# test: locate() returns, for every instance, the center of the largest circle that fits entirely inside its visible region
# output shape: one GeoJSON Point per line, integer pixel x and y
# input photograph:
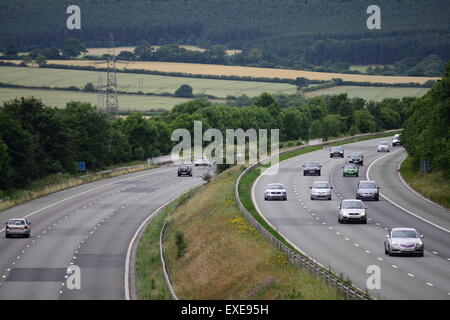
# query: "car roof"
{"type": "Point", "coordinates": [347, 200]}
{"type": "Point", "coordinates": [366, 181]}
{"type": "Point", "coordinates": [321, 182]}
{"type": "Point", "coordinates": [406, 229]}
{"type": "Point", "coordinates": [275, 183]}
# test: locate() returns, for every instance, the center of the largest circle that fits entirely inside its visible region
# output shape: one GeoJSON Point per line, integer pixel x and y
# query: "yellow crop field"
{"type": "Point", "coordinates": [221, 70]}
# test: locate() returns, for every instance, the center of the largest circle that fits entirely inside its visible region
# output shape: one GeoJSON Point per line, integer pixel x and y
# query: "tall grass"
{"type": "Point", "coordinates": [434, 185]}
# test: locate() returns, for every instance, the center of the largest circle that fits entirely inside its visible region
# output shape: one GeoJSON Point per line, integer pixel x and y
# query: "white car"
{"type": "Point", "coordinates": [201, 161]}
{"type": "Point", "coordinates": [404, 241]}
{"type": "Point", "coordinates": [352, 210]}
{"type": "Point", "coordinates": [321, 190]}
{"type": "Point", "coordinates": [396, 141]}
{"type": "Point", "coordinates": [275, 191]}
{"type": "Point", "coordinates": [383, 146]}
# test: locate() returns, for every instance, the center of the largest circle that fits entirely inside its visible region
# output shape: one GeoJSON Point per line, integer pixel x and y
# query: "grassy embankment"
{"type": "Point", "coordinates": [58, 182]}
{"type": "Point", "coordinates": [225, 257]}
{"type": "Point", "coordinates": [434, 185]}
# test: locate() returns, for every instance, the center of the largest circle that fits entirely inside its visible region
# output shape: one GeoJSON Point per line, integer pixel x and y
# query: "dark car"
{"type": "Point", "coordinates": [311, 167]}
{"type": "Point", "coordinates": [368, 190]}
{"type": "Point", "coordinates": [356, 158]}
{"type": "Point", "coordinates": [185, 170]}
{"type": "Point", "coordinates": [336, 152]}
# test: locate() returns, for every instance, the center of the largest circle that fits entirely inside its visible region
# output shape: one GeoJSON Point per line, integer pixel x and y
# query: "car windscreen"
{"type": "Point", "coordinates": [351, 166]}
{"type": "Point", "coordinates": [275, 186]}
{"type": "Point", "coordinates": [384, 143]}
{"type": "Point", "coordinates": [16, 222]}
{"type": "Point", "coordinates": [336, 149]}
{"type": "Point", "coordinates": [321, 185]}
{"type": "Point", "coordinates": [352, 205]}
{"type": "Point", "coordinates": [356, 155]}
{"type": "Point", "coordinates": [311, 164]}
{"type": "Point", "coordinates": [367, 185]}
{"type": "Point", "coordinates": [404, 234]}
{"type": "Point", "coordinates": [184, 168]}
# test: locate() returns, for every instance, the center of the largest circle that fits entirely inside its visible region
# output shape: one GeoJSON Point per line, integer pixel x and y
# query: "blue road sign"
{"type": "Point", "coordinates": [81, 166]}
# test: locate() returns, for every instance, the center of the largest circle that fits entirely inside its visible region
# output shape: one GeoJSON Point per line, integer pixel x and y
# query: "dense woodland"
{"type": "Point", "coordinates": [37, 140]}
{"type": "Point", "coordinates": [291, 33]}
{"type": "Point", "coordinates": [427, 134]}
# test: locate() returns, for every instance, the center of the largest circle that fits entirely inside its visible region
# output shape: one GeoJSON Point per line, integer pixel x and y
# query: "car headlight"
{"type": "Point", "coordinates": [395, 244]}
{"type": "Point", "coordinates": [420, 244]}
{"type": "Point", "coordinates": [283, 192]}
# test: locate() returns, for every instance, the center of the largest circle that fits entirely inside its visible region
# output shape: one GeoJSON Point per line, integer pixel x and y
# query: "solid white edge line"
{"type": "Point", "coordinates": [397, 205]}
{"type": "Point", "coordinates": [81, 193]}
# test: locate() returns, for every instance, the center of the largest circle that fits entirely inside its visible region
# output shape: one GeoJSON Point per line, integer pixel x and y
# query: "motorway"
{"type": "Point", "coordinates": [89, 226]}
{"type": "Point", "coordinates": [349, 249]}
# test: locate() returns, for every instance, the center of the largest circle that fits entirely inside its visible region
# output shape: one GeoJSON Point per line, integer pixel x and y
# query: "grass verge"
{"type": "Point", "coordinates": [224, 257]}
{"type": "Point", "coordinates": [58, 182]}
{"type": "Point", "coordinates": [434, 185]}
{"type": "Point", "coordinates": [150, 282]}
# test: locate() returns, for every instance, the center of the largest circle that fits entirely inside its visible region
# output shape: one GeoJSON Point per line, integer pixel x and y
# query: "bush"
{"type": "Point", "coordinates": [184, 91]}
{"type": "Point", "coordinates": [181, 243]}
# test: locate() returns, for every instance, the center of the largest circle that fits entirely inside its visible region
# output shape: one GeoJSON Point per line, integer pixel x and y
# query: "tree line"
{"type": "Point", "coordinates": [426, 134]}
{"type": "Point", "coordinates": [37, 140]}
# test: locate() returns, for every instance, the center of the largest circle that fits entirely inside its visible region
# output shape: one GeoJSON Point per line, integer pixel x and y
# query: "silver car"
{"type": "Point", "coordinates": [383, 146]}
{"type": "Point", "coordinates": [17, 227]}
{"type": "Point", "coordinates": [321, 190]}
{"type": "Point", "coordinates": [275, 191]}
{"type": "Point", "coordinates": [352, 210]}
{"type": "Point", "coordinates": [368, 190]}
{"type": "Point", "coordinates": [404, 241]}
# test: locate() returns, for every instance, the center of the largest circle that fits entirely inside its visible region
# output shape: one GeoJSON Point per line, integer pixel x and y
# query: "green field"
{"type": "Point", "coordinates": [59, 99]}
{"type": "Point", "coordinates": [130, 82]}
{"type": "Point", "coordinates": [371, 93]}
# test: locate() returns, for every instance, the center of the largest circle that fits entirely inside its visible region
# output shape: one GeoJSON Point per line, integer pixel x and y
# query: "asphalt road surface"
{"type": "Point", "coordinates": [89, 226]}
{"type": "Point", "coordinates": [349, 249]}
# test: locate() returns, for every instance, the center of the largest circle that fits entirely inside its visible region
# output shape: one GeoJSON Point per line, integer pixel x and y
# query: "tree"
{"type": "Point", "coordinates": [426, 136]}
{"type": "Point", "coordinates": [27, 59]}
{"type": "Point", "coordinates": [301, 82]}
{"type": "Point", "coordinates": [364, 122]}
{"type": "Point", "coordinates": [12, 50]}
{"type": "Point", "coordinates": [184, 91]}
{"type": "Point", "coordinates": [89, 87]}
{"type": "Point", "coordinates": [216, 54]}
{"type": "Point", "coordinates": [264, 100]}
{"type": "Point", "coordinates": [40, 60]}
{"type": "Point", "coordinates": [126, 55]}
{"type": "Point", "coordinates": [73, 48]}
{"type": "Point", "coordinates": [7, 173]}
